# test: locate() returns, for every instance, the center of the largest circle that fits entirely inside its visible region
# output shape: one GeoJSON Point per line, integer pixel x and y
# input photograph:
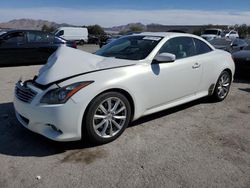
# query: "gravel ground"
{"type": "Point", "coordinates": [199, 144]}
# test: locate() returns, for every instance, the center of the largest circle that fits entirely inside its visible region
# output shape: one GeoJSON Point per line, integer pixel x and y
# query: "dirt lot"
{"type": "Point", "coordinates": [200, 144]}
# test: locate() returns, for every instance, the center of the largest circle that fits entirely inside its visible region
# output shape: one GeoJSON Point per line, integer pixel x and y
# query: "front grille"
{"type": "Point", "coordinates": [24, 93]}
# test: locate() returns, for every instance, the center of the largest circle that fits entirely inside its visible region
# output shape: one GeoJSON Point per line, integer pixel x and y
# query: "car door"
{"type": "Point", "coordinates": [12, 50]}
{"type": "Point", "coordinates": [176, 80]}
{"type": "Point", "coordinates": [206, 61]}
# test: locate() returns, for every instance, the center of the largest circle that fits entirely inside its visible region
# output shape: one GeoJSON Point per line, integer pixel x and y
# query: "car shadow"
{"type": "Point", "coordinates": [170, 111]}
{"type": "Point", "coordinates": [245, 89]}
{"type": "Point", "coordinates": [17, 141]}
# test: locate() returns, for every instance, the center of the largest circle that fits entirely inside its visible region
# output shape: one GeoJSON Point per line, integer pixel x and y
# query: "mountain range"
{"type": "Point", "coordinates": [30, 24]}
{"type": "Point", "coordinates": [38, 24]}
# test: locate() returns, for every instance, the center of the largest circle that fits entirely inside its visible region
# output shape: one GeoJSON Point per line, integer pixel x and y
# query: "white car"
{"type": "Point", "coordinates": [210, 34]}
{"type": "Point", "coordinates": [100, 94]}
{"type": "Point", "coordinates": [232, 35]}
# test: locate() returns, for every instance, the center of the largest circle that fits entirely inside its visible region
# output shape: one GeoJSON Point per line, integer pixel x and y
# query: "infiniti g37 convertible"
{"type": "Point", "coordinates": [100, 94]}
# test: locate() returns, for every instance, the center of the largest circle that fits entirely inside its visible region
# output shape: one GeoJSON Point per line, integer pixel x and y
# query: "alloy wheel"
{"type": "Point", "coordinates": [223, 85]}
{"type": "Point", "coordinates": [109, 117]}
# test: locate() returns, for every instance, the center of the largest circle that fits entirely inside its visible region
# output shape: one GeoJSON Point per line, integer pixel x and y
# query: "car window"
{"type": "Point", "coordinates": [60, 33]}
{"type": "Point", "coordinates": [181, 47]}
{"type": "Point", "coordinates": [210, 32]}
{"type": "Point", "coordinates": [201, 47]}
{"type": "Point", "coordinates": [221, 42]}
{"type": "Point", "coordinates": [16, 37]}
{"type": "Point", "coordinates": [39, 37]}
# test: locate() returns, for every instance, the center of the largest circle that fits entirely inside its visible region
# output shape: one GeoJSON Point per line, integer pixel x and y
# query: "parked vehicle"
{"type": "Point", "coordinates": [78, 34]}
{"type": "Point", "coordinates": [228, 44]}
{"type": "Point", "coordinates": [210, 34]}
{"type": "Point", "coordinates": [232, 35]}
{"type": "Point", "coordinates": [129, 78]}
{"type": "Point", "coordinates": [93, 39]}
{"type": "Point", "coordinates": [28, 47]}
{"type": "Point", "coordinates": [242, 61]}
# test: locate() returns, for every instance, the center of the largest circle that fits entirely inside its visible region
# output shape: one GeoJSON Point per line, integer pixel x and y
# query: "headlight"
{"type": "Point", "coordinates": [61, 95]}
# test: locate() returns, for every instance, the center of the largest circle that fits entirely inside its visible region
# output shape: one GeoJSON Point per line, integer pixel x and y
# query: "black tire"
{"type": "Point", "coordinates": [89, 122]}
{"type": "Point", "coordinates": [81, 42]}
{"type": "Point", "coordinates": [217, 95]}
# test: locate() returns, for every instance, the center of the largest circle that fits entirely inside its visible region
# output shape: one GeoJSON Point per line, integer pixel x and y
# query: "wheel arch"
{"type": "Point", "coordinates": [230, 72]}
{"type": "Point", "coordinates": [212, 86]}
{"type": "Point", "coordinates": [119, 90]}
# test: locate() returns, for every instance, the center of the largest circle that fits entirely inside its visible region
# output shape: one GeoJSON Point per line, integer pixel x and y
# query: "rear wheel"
{"type": "Point", "coordinates": [107, 117]}
{"type": "Point", "coordinates": [223, 86]}
{"type": "Point", "coordinates": [81, 42]}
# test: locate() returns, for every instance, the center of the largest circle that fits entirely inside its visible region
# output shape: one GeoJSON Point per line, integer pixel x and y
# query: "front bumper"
{"type": "Point", "coordinates": [61, 122]}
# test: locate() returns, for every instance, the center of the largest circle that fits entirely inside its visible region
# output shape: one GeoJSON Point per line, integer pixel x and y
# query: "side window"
{"type": "Point", "coordinates": [38, 37]}
{"type": "Point", "coordinates": [17, 37]}
{"type": "Point", "coordinates": [201, 47]}
{"type": "Point", "coordinates": [60, 33]}
{"type": "Point", "coordinates": [181, 47]}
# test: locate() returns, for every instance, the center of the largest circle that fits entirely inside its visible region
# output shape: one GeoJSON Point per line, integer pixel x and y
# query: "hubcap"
{"type": "Point", "coordinates": [223, 86]}
{"type": "Point", "coordinates": [109, 117]}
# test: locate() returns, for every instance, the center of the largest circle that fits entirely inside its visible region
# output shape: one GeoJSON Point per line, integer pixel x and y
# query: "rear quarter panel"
{"type": "Point", "coordinates": [213, 64]}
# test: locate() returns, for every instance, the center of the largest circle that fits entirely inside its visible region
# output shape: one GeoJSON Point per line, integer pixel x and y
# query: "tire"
{"type": "Point", "coordinates": [222, 87]}
{"type": "Point", "coordinates": [81, 42]}
{"type": "Point", "coordinates": [107, 117]}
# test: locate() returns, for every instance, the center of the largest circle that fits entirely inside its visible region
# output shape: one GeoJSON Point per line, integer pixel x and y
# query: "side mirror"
{"type": "Point", "coordinates": [164, 58]}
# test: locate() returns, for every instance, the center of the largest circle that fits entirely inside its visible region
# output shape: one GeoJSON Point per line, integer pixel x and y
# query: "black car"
{"type": "Point", "coordinates": [28, 47]}
{"type": "Point", "coordinates": [228, 44]}
{"type": "Point", "coordinates": [242, 61]}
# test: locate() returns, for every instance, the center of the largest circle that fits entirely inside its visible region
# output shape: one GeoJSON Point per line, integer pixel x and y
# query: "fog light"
{"type": "Point", "coordinates": [54, 128]}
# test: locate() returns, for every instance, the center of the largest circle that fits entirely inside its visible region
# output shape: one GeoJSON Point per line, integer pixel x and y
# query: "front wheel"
{"type": "Point", "coordinates": [222, 86]}
{"type": "Point", "coordinates": [107, 117]}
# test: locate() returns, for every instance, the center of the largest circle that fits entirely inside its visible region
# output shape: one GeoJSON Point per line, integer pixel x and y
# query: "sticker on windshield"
{"type": "Point", "coordinates": [152, 38]}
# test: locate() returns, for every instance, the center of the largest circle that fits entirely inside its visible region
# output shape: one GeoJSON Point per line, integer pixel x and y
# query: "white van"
{"type": "Point", "coordinates": [78, 34]}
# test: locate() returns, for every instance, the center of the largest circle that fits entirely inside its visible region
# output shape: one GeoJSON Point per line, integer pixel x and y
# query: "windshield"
{"type": "Point", "coordinates": [130, 47]}
{"type": "Point", "coordinates": [220, 42]}
{"type": "Point", "coordinates": [211, 32]}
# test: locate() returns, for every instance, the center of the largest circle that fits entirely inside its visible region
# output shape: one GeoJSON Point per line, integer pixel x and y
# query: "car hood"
{"type": "Point", "coordinates": [243, 54]}
{"type": "Point", "coordinates": [67, 62]}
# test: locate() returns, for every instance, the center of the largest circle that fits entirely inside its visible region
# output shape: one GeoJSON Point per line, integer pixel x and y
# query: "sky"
{"type": "Point", "coordinates": [118, 12]}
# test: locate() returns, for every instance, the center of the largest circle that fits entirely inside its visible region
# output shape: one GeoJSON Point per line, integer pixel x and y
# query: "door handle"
{"type": "Point", "coordinates": [196, 66]}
